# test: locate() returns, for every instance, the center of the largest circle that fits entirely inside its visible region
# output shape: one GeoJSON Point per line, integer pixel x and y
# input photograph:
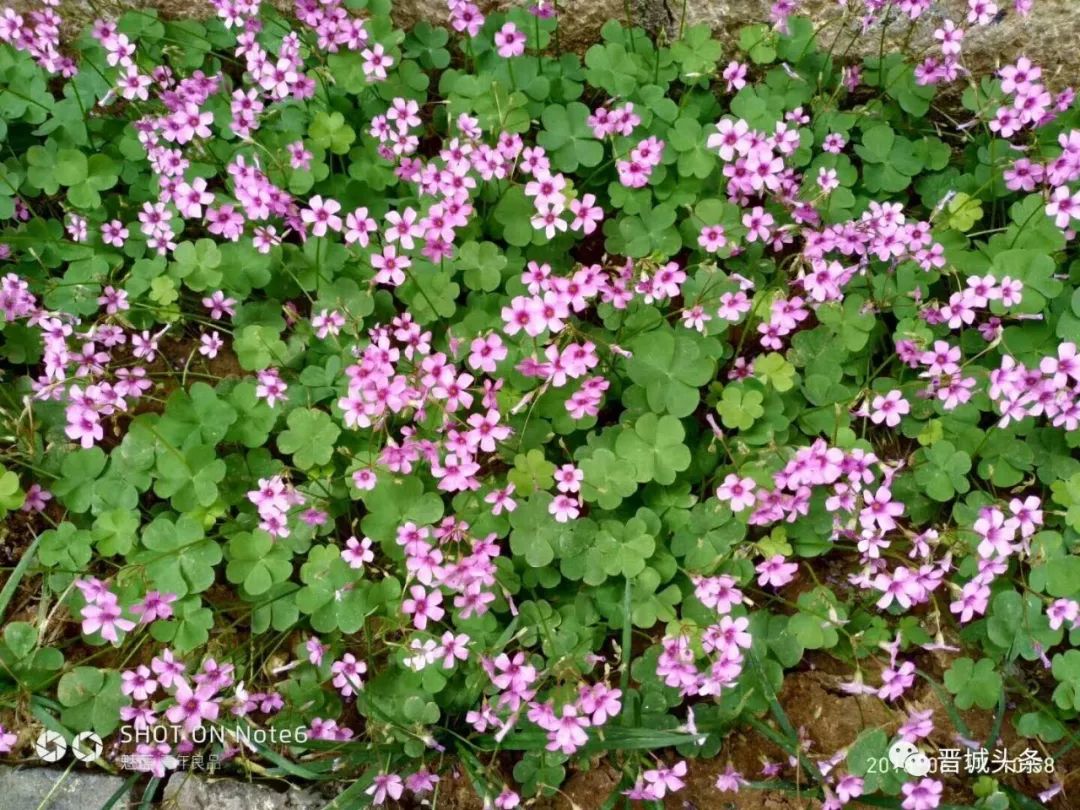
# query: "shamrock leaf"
{"type": "Point", "coordinates": [1018, 625]}
{"type": "Point", "coordinates": [532, 472]}
{"type": "Point", "coordinates": [688, 141]}
{"type": "Point", "coordinates": [188, 478]}
{"type": "Point", "coordinates": [607, 479]}
{"type": "Point", "coordinates": [942, 470]}
{"type": "Point", "coordinates": [65, 547]}
{"type": "Point", "coordinates": [177, 556]}
{"type": "Point", "coordinates": [535, 533]}
{"type": "Point", "coordinates": [329, 131]}
{"type": "Point", "coordinates": [974, 683]}
{"type": "Point", "coordinates": [255, 418]}
{"type": "Point", "coordinates": [197, 263]}
{"type": "Point", "coordinates": [615, 549]}
{"type": "Point", "coordinates": [258, 346]}
{"type": "Point", "coordinates": [707, 534]}
{"type": "Point", "coordinates": [1066, 668]}
{"type": "Point", "coordinates": [257, 562]}
{"type": "Point", "coordinates": [91, 698]}
{"type": "Point", "coordinates": [75, 487]}
{"type": "Point", "coordinates": [335, 597]}
{"type": "Point", "coordinates": [739, 407]}
{"type": "Point", "coordinates": [654, 447]}
{"type": "Point", "coordinates": [963, 212]}
{"type": "Point", "coordinates": [114, 531]}
{"type": "Point", "coordinates": [483, 265]}
{"type": "Point", "coordinates": [671, 368]}
{"type": "Point", "coordinates": [568, 139]}
{"type": "Point", "coordinates": [849, 321]}
{"type": "Point", "coordinates": [102, 173]}
{"type": "Point", "coordinates": [195, 416]}
{"type": "Point", "coordinates": [1035, 270]}
{"type": "Point", "coordinates": [188, 628]}
{"type": "Point", "coordinates": [697, 51]}
{"type": "Point", "coordinates": [11, 495]}
{"type": "Point", "coordinates": [310, 437]}
{"type": "Point", "coordinates": [776, 371]}
{"type": "Point", "coordinates": [394, 501]}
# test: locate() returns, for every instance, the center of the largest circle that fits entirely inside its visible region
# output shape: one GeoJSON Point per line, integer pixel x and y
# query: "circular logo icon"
{"type": "Point", "coordinates": [918, 764]}
{"type": "Point", "coordinates": [907, 758]}
{"type": "Point", "coordinates": [50, 746]}
{"type": "Point", "coordinates": [86, 746]}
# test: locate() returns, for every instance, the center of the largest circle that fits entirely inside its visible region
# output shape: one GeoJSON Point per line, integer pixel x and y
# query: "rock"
{"type": "Point", "coordinates": [66, 790]}
{"type": "Point", "coordinates": [1046, 36]}
{"type": "Point", "coordinates": [581, 20]}
{"type": "Point", "coordinates": [188, 791]}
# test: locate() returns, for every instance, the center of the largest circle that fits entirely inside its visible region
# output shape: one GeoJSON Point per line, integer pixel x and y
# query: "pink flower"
{"type": "Point", "coordinates": [390, 268]}
{"type": "Point", "coordinates": [219, 305]}
{"type": "Point", "coordinates": [154, 606]}
{"type": "Point", "coordinates": [922, 795]}
{"type": "Point", "coordinates": [357, 552]}
{"type": "Point", "coordinates": [776, 571]}
{"type": "Point", "coordinates": [385, 784]}
{"type": "Point", "coordinates": [730, 780]}
{"type": "Point", "coordinates": [192, 707]}
{"type": "Point", "coordinates": [486, 352]}
{"type": "Point", "coordinates": [105, 617]}
{"type": "Point", "coordinates": [568, 478]}
{"type": "Point", "coordinates": [736, 491]}
{"type": "Point", "coordinates": [423, 605]}
{"type": "Point", "coordinates": [663, 779]}
{"type": "Point", "coordinates": [322, 215]}
{"type": "Point", "coordinates": [1062, 611]}
{"type": "Point", "coordinates": [138, 683]}
{"type": "Point", "coordinates": [757, 223]}
{"type": "Point", "coordinates": [348, 674]}
{"type": "Point", "coordinates": [501, 499]}
{"type": "Point", "coordinates": [155, 758]}
{"type": "Point", "coordinates": [568, 732]}
{"type": "Point", "coordinates": [564, 508]}
{"type": "Point", "coordinates": [509, 41]}
{"type": "Point", "coordinates": [712, 238]}
{"type": "Point", "coordinates": [210, 344]}
{"type": "Point", "coordinates": [167, 669]}
{"type": "Point", "coordinates": [7, 740]}
{"type": "Point", "coordinates": [889, 408]}
{"type": "Point", "coordinates": [735, 76]}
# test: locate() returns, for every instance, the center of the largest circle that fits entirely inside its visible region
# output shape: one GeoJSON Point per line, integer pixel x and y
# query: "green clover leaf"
{"type": "Point", "coordinates": [607, 479]}
{"type": "Point", "coordinates": [974, 683]}
{"type": "Point", "coordinates": [672, 368]}
{"type": "Point", "coordinates": [91, 699]}
{"type": "Point", "coordinates": [310, 437]}
{"type": "Point", "coordinates": [654, 446]}
{"type": "Point", "coordinates": [568, 139]}
{"type": "Point", "coordinates": [941, 470]}
{"type": "Point", "coordinates": [739, 407]}
{"type": "Point", "coordinates": [178, 557]}
{"type": "Point", "coordinates": [1066, 668]}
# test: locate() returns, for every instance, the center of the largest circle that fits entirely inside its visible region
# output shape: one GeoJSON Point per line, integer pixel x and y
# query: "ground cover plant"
{"type": "Point", "coordinates": [471, 410]}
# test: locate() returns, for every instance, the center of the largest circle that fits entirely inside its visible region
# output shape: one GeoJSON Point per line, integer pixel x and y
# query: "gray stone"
{"type": "Point", "coordinates": [28, 788]}
{"type": "Point", "coordinates": [187, 791]}
{"type": "Point", "coordinates": [1047, 36]}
